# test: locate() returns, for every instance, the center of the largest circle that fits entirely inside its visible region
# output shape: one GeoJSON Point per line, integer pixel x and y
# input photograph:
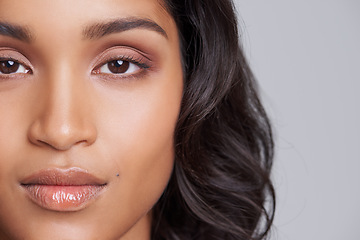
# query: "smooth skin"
{"type": "Point", "coordinates": [64, 107]}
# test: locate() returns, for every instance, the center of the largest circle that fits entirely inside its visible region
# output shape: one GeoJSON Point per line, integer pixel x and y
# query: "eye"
{"type": "Point", "coordinates": [118, 67]}
{"type": "Point", "coordinates": [12, 67]}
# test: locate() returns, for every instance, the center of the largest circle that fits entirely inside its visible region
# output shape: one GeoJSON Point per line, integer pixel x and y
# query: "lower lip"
{"type": "Point", "coordinates": [63, 198]}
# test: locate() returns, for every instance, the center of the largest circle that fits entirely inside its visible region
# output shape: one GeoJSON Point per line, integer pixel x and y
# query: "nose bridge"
{"type": "Point", "coordinates": [61, 97]}
{"type": "Point", "coordinates": [64, 119]}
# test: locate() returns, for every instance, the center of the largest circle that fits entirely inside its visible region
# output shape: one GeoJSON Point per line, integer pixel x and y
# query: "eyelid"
{"type": "Point", "coordinates": [131, 59]}
{"type": "Point", "coordinates": [9, 54]}
{"type": "Point", "coordinates": [25, 66]}
{"type": "Point", "coordinates": [123, 53]}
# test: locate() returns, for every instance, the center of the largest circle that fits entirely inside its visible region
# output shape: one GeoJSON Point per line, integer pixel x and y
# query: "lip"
{"type": "Point", "coordinates": [63, 190]}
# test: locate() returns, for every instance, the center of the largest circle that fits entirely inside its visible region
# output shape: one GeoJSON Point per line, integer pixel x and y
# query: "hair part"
{"type": "Point", "coordinates": [223, 141]}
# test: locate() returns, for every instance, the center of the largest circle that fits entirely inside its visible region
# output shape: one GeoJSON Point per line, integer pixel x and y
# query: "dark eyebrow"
{"type": "Point", "coordinates": [15, 31]}
{"type": "Point", "coordinates": [99, 30]}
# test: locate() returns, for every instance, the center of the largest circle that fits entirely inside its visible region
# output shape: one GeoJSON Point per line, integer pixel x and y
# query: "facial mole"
{"type": "Point", "coordinates": [117, 174]}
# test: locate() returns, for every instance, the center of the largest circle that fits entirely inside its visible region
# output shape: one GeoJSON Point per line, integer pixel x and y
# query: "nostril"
{"type": "Point", "coordinates": [61, 137]}
{"type": "Point", "coordinates": [58, 147]}
{"type": "Point", "coordinates": [42, 143]}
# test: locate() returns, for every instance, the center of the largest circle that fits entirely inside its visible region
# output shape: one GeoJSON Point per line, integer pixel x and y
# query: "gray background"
{"type": "Point", "coordinates": [306, 56]}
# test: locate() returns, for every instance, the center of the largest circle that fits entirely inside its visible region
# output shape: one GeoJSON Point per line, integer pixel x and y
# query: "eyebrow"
{"type": "Point", "coordinates": [98, 30]}
{"type": "Point", "coordinates": [18, 32]}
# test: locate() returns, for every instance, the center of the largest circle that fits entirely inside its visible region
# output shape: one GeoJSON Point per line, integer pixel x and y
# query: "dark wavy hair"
{"type": "Point", "coordinates": [220, 187]}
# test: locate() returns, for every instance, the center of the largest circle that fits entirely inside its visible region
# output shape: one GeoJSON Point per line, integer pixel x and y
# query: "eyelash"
{"type": "Point", "coordinates": [139, 62]}
{"type": "Point", "coordinates": [21, 65]}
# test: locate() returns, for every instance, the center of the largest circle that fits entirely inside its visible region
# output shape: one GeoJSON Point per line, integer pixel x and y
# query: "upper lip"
{"type": "Point", "coordinates": [62, 177]}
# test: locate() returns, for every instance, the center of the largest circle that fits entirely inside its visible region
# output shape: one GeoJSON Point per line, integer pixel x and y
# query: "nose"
{"type": "Point", "coordinates": [63, 117]}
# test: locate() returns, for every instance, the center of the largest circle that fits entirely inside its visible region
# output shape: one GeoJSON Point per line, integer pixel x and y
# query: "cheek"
{"type": "Point", "coordinates": [14, 110]}
{"type": "Point", "coordinates": [141, 134]}
{"type": "Point", "coordinates": [138, 140]}
{"type": "Point", "coordinates": [12, 138]}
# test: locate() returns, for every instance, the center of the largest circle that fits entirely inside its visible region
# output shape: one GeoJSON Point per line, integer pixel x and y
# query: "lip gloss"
{"type": "Point", "coordinates": [62, 198]}
{"type": "Point", "coordinates": [63, 190]}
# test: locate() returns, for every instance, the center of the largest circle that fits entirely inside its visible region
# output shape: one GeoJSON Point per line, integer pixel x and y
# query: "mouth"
{"type": "Point", "coordinates": [63, 190]}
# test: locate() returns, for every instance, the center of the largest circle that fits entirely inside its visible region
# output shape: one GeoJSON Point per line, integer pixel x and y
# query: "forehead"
{"type": "Point", "coordinates": [69, 16]}
{"type": "Point", "coordinates": [39, 8]}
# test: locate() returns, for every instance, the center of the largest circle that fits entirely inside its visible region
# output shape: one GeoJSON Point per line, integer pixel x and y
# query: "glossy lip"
{"type": "Point", "coordinates": [63, 190]}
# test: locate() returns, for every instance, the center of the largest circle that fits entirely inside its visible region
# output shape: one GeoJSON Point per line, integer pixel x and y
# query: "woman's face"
{"type": "Point", "coordinates": [90, 93]}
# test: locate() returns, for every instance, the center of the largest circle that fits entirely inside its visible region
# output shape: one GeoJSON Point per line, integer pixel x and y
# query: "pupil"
{"type": "Point", "coordinates": [10, 63]}
{"type": "Point", "coordinates": [118, 63]}
{"type": "Point", "coordinates": [118, 66]}
{"type": "Point", "coordinates": [8, 67]}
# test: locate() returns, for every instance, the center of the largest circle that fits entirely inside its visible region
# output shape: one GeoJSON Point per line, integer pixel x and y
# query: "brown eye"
{"type": "Point", "coordinates": [119, 67]}
{"type": "Point", "coordinates": [10, 67]}
{"type": "Point", "coordinates": [7, 67]}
